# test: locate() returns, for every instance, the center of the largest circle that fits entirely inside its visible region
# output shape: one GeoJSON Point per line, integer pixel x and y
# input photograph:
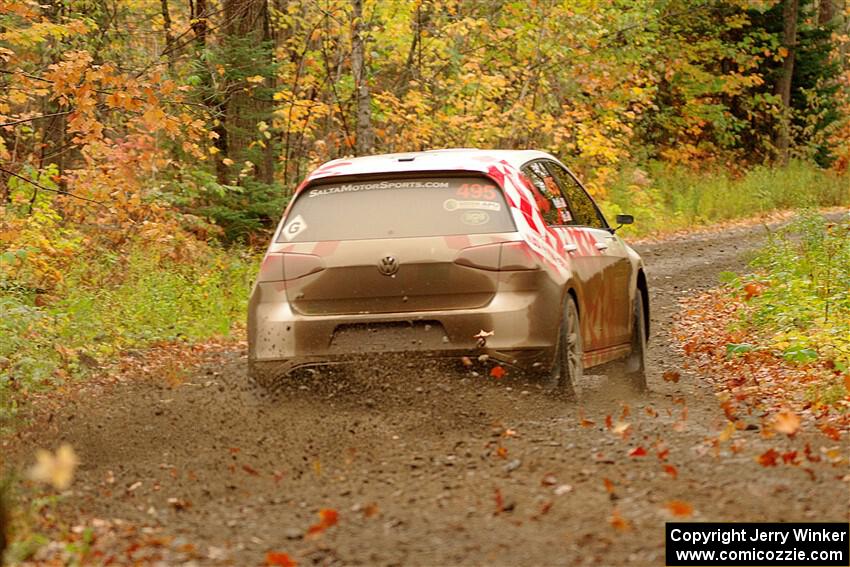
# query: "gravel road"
{"type": "Point", "coordinates": [432, 467]}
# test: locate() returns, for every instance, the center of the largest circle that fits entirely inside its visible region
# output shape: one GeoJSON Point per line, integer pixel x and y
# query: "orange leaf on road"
{"type": "Point", "coordinates": [618, 522]}
{"type": "Point", "coordinates": [671, 376]}
{"type": "Point", "coordinates": [811, 457]}
{"type": "Point", "coordinates": [637, 452]}
{"type": "Point", "coordinates": [622, 429]}
{"type": "Point", "coordinates": [671, 470]}
{"type": "Point", "coordinates": [786, 422]}
{"type": "Point", "coordinates": [831, 432]}
{"type": "Point", "coordinates": [327, 517]}
{"type": "Point", "coordinates": [729, 410]}
{"type": "Point", "coordinates": [500, 501]}
{"type": "Point", "coordinates": [680, 508]}
{"type": "Point", "coordinates": [727, 432]}
{"type": "Point", "coordinates": [497, 372]}
{"type": "Point", "coordinates": [768, 458]}
{"type": "Point", "coordinates": [280, 559]}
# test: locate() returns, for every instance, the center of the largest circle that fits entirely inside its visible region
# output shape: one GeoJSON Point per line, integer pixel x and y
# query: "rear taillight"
{"type": "Point", "coordinates": [484, 257]}
{"type": "Point", "coordinates": [299, 265]}
{"type": "Point", "coordinates": [279, 266]}
{"type": "Point", "coordinates": [271, 270]}
{"type": "Point", "coordinates": [502, 257]}
{"type": "Point", "coordinates": [517, 256]}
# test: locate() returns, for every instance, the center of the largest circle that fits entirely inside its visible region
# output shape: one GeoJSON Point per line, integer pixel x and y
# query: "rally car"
{"type": "Point", "coordinates": [493, 255]}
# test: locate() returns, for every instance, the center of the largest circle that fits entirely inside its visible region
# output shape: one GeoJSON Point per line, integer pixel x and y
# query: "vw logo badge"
{"type": "Point", "coordinates": [388, 266]}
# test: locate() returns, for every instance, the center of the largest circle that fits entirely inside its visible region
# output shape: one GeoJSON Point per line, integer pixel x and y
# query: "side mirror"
{"type": "Point", "coordinates": [625, 219]}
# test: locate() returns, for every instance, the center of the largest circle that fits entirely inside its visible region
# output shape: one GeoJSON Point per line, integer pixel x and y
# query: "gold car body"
{"type": "Point", "coordinates": [444, 253]}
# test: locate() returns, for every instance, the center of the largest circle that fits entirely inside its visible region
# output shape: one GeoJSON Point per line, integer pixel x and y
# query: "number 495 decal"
{"type": "Point", "coordinates": [476, 191]}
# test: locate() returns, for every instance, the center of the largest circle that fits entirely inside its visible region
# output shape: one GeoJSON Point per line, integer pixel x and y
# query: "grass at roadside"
{"type": "Point", "coordinates": [109, 301]}
{"type": "Point", "coordinates": [666, 199]}
{"type": "Point", "coordinates": [801, 301]}
{"type": "Point", "coordinates": [779, 339]}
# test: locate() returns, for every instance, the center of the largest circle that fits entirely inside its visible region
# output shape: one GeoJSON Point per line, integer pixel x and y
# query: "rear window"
{"type": "Point", "coordinates": [397, 208]}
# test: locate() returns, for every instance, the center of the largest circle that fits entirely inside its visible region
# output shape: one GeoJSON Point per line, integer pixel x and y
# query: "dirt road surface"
{"type": "Point", "coordinates": [428, 467]}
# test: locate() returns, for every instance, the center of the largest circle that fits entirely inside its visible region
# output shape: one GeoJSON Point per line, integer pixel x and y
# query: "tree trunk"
{"type": "Point", "coordinates": [213, 99]}
{"type": "Point", "coordinates": [790, 10]}
{"type": "Point", "coordinates": [826, 11]}
{"type": "Point", "coordinates": [54, 130]}
{"type": "Point", "coordinates": [198, 10]}
{"type": "Point", "coordinates": [169, 36]}
{"type": "Point", "coordinates": [363, 129]}
{"type": "Point", "coordinates": [844, 28]}
{"type": "Point", "coordinates": [246, 28]}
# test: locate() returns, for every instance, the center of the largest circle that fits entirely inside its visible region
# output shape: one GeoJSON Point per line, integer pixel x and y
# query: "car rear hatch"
{"type": "Point", "coordinates": [398, 244]}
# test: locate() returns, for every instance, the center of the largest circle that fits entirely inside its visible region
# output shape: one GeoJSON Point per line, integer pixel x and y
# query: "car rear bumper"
{"type": "Point", "coordinates": [528, 360]}
{"type": "Point", "coordinates": [523, 324]}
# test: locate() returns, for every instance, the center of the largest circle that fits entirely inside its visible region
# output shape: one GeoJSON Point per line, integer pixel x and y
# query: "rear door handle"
{"type": "Point", "coordinates": [571, 247]}
{"type": "Point", "coordinates": [602, 246]}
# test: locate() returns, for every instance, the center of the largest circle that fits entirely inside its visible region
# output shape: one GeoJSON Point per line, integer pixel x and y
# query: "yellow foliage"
{"type": "Point", "coordinates": [56, 470]}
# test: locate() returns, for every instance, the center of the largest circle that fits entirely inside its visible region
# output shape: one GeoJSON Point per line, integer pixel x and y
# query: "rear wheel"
{"type": "Point", "coordinates": [567, 366]}
{"type": "Point", "coordinates": [636, 362]}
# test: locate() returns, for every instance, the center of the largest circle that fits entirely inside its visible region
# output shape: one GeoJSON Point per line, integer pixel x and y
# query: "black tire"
{"type": "Point", "coordinates": [567, 365]}
{"type": "Point", "coordinates": [635, 366]}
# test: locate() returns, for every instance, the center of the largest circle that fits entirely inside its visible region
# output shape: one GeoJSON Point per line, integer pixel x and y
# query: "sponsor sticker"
{"type": "Point", "coordinates": [294, 227]}
{"type": "Point", "coordinates": [454, 205]}
{"type": "Point", "coordinates": [475, 218]}
{"type": "Point", "coordinates": [377, 185]}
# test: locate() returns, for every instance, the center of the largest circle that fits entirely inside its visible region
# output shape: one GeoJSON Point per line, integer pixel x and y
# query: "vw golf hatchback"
{"type": "Point", "coordinates": [449, 253]}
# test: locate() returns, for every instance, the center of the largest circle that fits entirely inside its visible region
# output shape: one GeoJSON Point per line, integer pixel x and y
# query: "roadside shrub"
{"type": "Point", "coordinates": [668, 198]}
{"type": "Point", "coordinates": [803, 299]}
{"type": "Point", "coordinates": [70, 300]}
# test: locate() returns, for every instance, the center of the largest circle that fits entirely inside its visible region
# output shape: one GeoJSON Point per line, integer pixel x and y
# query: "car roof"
{"type": "Point", "coordinates": [459, 159]}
